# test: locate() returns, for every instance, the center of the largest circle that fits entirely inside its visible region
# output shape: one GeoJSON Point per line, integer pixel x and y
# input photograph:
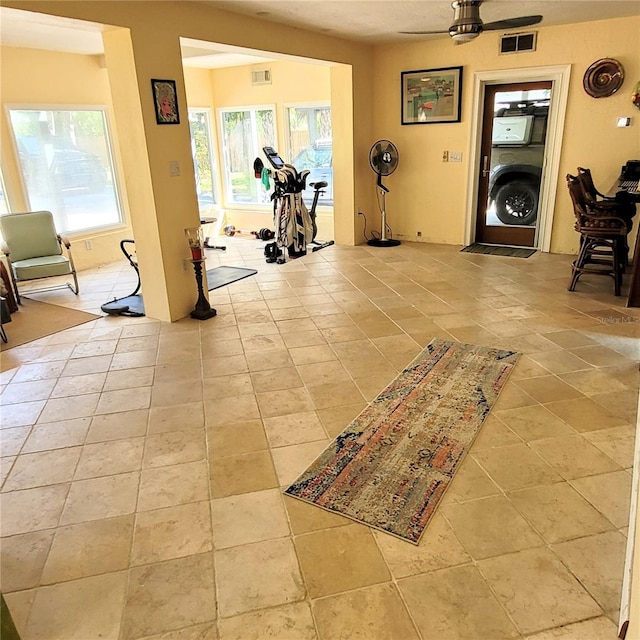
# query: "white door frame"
{"type": "Point", "coordinates": [559, 77]}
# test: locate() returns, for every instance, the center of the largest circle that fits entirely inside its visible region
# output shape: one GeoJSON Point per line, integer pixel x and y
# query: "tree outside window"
{"type": "Point", "coordinates": [203, 161]}
{"type": "Point", "coordinates": [245, 132]}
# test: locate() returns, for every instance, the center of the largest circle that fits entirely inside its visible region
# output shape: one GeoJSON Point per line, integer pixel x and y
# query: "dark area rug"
{"type": "Point", "coordinates": [221, 276]}
{"type": "Point", "coordinates": [494, 250]}
{"type": "Point", "coordinates": [391, 466]}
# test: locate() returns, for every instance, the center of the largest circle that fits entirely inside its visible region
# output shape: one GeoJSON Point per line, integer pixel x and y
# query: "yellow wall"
{"type": "Point", "coordinates": [31, 77]}
{"type": "Point", "coordinates": [197, 84]}
{"type": "Point", "coordinates": [155, 53]}
{"type": "Point", "coordinates": [82, 80]}
{"type": "Point", "coordinates": [428, 195]}
{"type": "Point", "coordinates": [292, 82]}
{"type": "Point", "coordinates": [201, 22]}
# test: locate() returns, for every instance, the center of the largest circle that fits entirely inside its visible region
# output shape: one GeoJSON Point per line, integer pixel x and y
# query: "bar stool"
{"type": "Point", "coordinates": [620, 204]}
{"type": "Point", "coordinates": [621, 201]}
{"type": "Point", "coordinates": [603, 238]}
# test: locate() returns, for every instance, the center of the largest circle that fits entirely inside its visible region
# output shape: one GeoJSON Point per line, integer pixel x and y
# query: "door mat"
{"type": "Point", "coordinates": [389, 468]}
{"type": "Point", "coordinates": [221, 276]}
{"type": "Point", "coordinates": [499, 250]}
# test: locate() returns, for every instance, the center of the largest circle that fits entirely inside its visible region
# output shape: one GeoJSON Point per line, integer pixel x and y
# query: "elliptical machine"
{"type": "Point", "coordinates": [295, 224]}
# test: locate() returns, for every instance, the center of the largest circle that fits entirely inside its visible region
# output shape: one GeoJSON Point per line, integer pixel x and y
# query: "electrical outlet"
{"type": "Point", "coordinates": [445, 156]}
{"type": "Point", "coordinates": [87, 245]}
{"type": "Point", "coordinates": [419, 234]}
{"type": "Point", "coordinates": [455, 156]}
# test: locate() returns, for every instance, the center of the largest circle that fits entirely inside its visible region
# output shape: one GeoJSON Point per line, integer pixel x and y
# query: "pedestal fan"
{"type": "Point", "coordinates": [383, 158]}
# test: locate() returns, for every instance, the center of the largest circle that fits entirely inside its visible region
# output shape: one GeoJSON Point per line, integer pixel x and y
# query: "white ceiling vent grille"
{"type": "Point", "coordinates": [261, 76]}
{"type": "Point", "coordinates": [518, 42]}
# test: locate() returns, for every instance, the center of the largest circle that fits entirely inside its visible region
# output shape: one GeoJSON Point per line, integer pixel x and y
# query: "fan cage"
{"type": "Point", "coordinates": [383, 157]}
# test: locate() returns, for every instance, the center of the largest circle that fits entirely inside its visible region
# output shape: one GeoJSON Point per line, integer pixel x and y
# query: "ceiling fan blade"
{"type": "Point", "coordinates": [423, 33]}
{"type": "Point", "coordinates": [467, 23]}
{"type": "Point", "coordinates": [511, 23]}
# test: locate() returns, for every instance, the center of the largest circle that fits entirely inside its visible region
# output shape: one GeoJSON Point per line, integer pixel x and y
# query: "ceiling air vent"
{"type": "Point", "coordinates": [517, 42]}
{"type": "Point", "coordinates": [261, 76]}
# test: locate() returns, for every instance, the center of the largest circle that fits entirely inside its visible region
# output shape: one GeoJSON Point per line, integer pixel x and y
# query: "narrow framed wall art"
{"type": "Point", "coordinates": [166, 101]}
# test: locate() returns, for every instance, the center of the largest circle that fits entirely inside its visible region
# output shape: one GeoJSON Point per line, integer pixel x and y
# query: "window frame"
{"type": "Point", "coordinates": [5, 207]}
{"type": "Point", "coordinates": [214, 161]}
{"type": "Point", "coordinates": [286, 126]}
{"type": "Point", "coordinates": [228, 203]}
{"type": "Point", "coordinates": [21, 185]}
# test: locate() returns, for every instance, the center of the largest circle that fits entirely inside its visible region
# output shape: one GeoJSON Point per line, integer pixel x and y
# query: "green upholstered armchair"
{"type": "Point", "coordinates": [34, 249]}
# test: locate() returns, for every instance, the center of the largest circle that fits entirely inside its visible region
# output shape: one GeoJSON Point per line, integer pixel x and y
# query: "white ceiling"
{"type": "Point", "coordinates": [375, 21]}
{"type": "Point", "coordinates": [41, 31]}
{"type": "Point", "coordinates": [368, 21]}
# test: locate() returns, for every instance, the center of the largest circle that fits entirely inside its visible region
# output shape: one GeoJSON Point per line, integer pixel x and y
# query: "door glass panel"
{"type": "Point", "coordinates": [516, 157]}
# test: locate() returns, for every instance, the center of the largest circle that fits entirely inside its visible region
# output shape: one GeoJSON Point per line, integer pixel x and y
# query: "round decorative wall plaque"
{"type": "Point", "coordinates": [603, 78]}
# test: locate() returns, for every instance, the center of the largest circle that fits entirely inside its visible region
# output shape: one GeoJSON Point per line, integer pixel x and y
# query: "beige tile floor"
{"type": "Point", "coordinates": [143, 462]}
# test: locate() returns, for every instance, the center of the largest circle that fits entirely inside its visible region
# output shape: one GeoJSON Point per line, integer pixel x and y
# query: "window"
{"type": "Point", "coordinates": [310, 145]}
{"type": "Point", "coordinates": [245, 131]}
{"type": "Point", "coordinates": [4, 205]}
{"type": "Point", "coordinates": [65, 159]}
{"type": "Point", "coordinates": [203, 162]}
{"type": "Point", "coordinates": [508, 98]}
{"type": "Point", "coordinates": [308, 125]}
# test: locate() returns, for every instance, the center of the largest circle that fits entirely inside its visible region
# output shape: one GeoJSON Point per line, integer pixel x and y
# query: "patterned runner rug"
{"type": "Point", "coordinates": [389, 468]}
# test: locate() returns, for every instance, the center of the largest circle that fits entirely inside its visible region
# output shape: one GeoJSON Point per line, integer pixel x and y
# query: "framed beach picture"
{"type": "Point", "coordinates": [431, 95]}
{"type": "Point", "coordinates": [166, 101]}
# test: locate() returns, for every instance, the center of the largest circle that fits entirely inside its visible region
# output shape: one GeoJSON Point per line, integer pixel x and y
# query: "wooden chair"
{"type": "Point", "coordinates": [619, 205]}
{"type": "Point", "coordinates": [603, 238]}
{"type": "Point", "coordinates": [621, 201]}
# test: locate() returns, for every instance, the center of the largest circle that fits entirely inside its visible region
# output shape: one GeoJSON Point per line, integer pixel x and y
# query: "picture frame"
{"type": "Point", "coordinates": [431, 95]}
{"type": "Point", "coordinates": [165, 100]}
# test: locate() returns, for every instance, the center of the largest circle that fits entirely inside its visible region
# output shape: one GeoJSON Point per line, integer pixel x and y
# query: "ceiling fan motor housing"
{"type": "Point", "coordinates": [467, 23]}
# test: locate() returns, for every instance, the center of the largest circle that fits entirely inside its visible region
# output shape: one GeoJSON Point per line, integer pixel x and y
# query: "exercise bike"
{"type": "Point", "coordinates": [317, 192]}
{"type": "Point", "coordinates": [296, 226]}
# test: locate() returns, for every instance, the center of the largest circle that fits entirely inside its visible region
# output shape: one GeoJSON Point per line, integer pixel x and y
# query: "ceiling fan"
{"type": "Point", "coordinates": [467, 23]}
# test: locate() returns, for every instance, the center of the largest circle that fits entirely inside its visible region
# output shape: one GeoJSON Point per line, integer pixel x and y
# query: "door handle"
{"type": "Point", "coordinates": [485, 166]}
